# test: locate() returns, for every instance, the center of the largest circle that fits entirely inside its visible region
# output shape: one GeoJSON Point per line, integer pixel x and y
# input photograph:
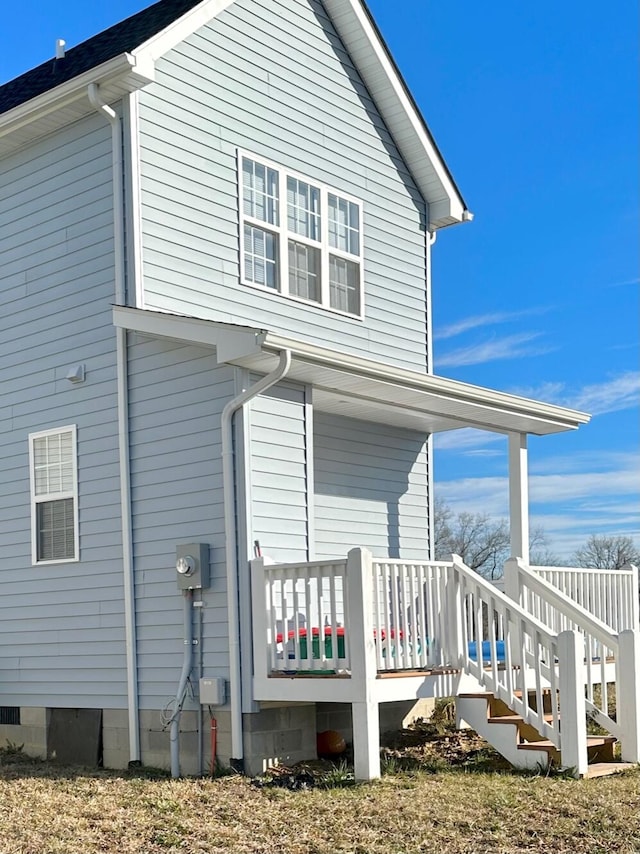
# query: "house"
{"type": "Point", "coordinates": [216, 225]}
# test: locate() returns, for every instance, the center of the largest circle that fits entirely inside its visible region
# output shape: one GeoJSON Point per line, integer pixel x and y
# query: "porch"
{"type": "Point", "coordinates": [365, 631]}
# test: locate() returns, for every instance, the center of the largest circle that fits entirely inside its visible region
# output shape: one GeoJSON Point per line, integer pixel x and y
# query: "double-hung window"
{"type": "Point", "coordinates": [54, 495]}
{"type": "Point", "coordinates": [299, 238]}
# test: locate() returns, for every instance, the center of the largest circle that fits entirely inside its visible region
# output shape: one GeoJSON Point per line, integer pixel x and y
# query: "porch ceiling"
{"type": "Point", "coordinates": [362, 388]}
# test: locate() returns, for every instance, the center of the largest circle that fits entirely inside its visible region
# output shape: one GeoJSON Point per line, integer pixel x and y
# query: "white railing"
{"type": "Point", "coordinates": [611, 595]}
{"type": "Point", "coordinates": [610, 656]}
{"type": "Point", "coordinates": [299, 610]}
{"type": "Point", "coordinates": [534, 671]}
{"type": "Point", "coordinates": [409, 613]}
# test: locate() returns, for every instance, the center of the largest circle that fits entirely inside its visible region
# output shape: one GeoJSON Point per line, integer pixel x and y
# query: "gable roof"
{"type": "Point", "coordinates": [121, 59]}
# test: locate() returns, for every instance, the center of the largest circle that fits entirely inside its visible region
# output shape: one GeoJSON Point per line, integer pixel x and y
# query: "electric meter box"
{"type": "Point", "coordinates": [213, 691]}
{"type": "Point", "coordinates": [192, 565]}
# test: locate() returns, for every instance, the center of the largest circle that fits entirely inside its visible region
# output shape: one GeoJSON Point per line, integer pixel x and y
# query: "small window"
{"type": "Point", "coordinates": [299, 238]}
{"type": "Point", "coordinates": [54, 495]}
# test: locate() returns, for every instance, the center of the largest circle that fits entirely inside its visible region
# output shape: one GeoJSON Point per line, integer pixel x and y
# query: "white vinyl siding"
{"type": "Point", "coordinates": [312, 250]}
{"type": "Point", "coordinates": [54, 495]}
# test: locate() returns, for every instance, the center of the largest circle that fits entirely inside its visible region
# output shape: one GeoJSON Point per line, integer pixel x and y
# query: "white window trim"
{"type": "Point", "coordinates": [35, 500]}
{"type": "Point", "coordinates": [284, 234]}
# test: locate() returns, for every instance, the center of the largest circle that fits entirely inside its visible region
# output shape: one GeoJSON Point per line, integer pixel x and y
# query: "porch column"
{"type": "Point", "coordinates": [518, 496]}
{"type": "Point", "coordinates": [362, 650]}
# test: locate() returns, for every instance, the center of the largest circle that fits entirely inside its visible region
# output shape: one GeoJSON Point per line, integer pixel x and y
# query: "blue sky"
{"type": "Point", "coordinates": [535, 109]}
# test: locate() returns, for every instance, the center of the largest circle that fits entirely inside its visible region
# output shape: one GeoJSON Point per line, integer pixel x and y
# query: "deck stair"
{"type": "Point", "coordinates": [521, 744]}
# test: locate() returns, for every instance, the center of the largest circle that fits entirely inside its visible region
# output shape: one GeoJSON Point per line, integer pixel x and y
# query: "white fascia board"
{"type": "Point", "coordinates": [398, 111]}
{"type": "Point", "coordinates": [181, 29]}
{"type": "Point", "coordinates": [230, 342]}
{"type": "Point", "coordinates": [125, 66]}
{"type": "Point", "coordinates": [568, 419]}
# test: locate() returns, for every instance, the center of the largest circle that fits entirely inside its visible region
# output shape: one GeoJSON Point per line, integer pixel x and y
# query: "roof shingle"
{"type": "Point", "coordinates": [121, 38]}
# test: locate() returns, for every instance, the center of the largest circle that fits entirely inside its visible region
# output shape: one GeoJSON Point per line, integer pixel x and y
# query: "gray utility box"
{"type": "Point", "coordinates": [192, 565]}
{"type": "Point", "coordinates": [213, 691]}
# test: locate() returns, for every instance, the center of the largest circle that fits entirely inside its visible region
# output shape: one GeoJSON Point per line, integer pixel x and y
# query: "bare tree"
{"type": "Point", "coordinates": [539, 552]}
{"type": "Point", "coordinates": [604, 551]}
{"type": "Point", "coordinates": [482, 542]}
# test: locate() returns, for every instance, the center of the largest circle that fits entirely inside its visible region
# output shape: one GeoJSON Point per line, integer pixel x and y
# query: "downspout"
{"type": "Point", "coordinates": [123, 425]}
{"type": "Point", "coordinates": [231, 546]}
{"type": "Point", "coordinates": [431, 510]}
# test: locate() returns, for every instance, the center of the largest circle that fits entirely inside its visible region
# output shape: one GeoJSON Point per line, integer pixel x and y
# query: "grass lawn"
{"type": "Point", "coordinates": [427, 807]}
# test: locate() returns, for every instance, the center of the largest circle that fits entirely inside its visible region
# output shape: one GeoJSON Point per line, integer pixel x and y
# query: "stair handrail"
{"type": "Point", "coordinates": [568, 607]}
{"type": "Point", "coordinates": [536, 659]}
{"type": "Point", "coordinates": [627, 594]}
{"type": "Point", "coordinates": [624, 646]}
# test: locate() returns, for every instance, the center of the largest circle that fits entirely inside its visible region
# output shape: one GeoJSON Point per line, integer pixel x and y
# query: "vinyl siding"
{"type": "Point", "coordinates": [61, 624]}
{"type": "Point", "coordinates": [371, 489]}
{"type": "Point", "coordinates": [176, 398]}
{"type": "Point", "coordinates": [237, 83]}
{"type": "Point", "coordinates": [278, 474]}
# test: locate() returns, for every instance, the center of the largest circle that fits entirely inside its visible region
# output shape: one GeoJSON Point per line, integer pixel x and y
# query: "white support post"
{"type": "Point", "coordinates": [573, 744]}
{"type": "Point", "coordinates": [628, 693]}
{"type": "Point", "coordinates": [366, 723]}
{"type": "Point", "coordinates": [455, 615]}
{"type": "Point", "coordinates": [259, 620]}
{"type": "Point", "coordinates": [512, 579]}
{"type": "Point", "coordinates": [635, 596]}
{"type": "Point", "coordinates": [518, 496]}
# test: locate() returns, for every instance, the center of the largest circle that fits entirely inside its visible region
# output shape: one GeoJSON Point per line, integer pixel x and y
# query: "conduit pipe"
{"type": "Point", "coordinates": [123, 424]}
{"type": "Point", "coordinates": [231, 549]}
{"type": "Point", "coordinates": [187, 666]}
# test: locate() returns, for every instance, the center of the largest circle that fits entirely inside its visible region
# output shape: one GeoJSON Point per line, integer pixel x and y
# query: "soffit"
{"type": "Point", "coordinates": [361, 388]}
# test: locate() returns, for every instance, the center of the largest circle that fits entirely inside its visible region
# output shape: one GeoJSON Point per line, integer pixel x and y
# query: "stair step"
{"type": "Point", "coordinates": [476, 694]}
{"type": "Point", "coordinates": [545, 744]}
{"type": "Point", "coordinates": [514, 719]}
{"type": "Point", "coordinates": [603, 769]}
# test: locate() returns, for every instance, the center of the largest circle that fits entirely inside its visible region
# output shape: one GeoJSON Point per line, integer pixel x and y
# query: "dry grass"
{"type": "Point", "coordinates": [48, 810]}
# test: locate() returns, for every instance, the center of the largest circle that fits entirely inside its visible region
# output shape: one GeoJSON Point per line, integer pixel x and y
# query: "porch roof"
{"type": "Point", "coordinates": [357, 387]}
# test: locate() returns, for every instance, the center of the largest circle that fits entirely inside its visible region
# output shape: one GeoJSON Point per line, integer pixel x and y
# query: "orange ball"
{"type": "Point", "coordinates": [330, 743]}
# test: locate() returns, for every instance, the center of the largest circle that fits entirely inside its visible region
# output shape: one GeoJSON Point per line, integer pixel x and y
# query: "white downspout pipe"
{"type": "Point", "coordinates": [123, 425]}
{"type": "Point", "coordinates": [431, 508]}
{"type": "Point", "coordinates": [231, 547]}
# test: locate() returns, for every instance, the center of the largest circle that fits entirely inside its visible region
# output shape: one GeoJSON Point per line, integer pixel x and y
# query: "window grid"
{"type": "Point", "coordinates": [54, 495]}
{"type": "Point", "coordinates": [316, 218]}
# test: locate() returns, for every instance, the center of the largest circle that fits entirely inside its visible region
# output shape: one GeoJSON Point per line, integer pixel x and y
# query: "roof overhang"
{"type": "Point", "coordinates": [68, 102]}
{"type": "Point", "coordinates": [355, 387]}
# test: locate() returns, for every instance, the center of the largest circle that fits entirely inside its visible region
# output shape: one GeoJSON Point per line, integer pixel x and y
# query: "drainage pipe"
{"type": "Point", "coordinates": [231, 549]}
{"type": "Point", "coordinates": [431, 509]}
{"type": "Point", "coordinates": [187, 666]}
{"type": "Point", "coordinates": [123, 425]}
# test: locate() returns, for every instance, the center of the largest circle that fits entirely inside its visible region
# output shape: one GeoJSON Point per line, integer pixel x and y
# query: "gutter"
{"type": "Point", "coordinates": [123, 426]}
{"type": "Point", "coordinates": [126, 68]}
{"type": "Point", "coordinates": [231, 550]}
{"type": "Point", "coordinates": [452, 389]}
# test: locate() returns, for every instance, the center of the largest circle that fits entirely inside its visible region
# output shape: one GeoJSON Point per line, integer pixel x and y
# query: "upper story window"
{"type": "Point", "coordinates": [300, 238]}
{"type": "Point", "coordinates": [54, 495]}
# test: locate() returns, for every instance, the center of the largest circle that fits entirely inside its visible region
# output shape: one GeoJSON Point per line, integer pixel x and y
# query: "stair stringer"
{"type": "Point", "coordinates": [473, 711]}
